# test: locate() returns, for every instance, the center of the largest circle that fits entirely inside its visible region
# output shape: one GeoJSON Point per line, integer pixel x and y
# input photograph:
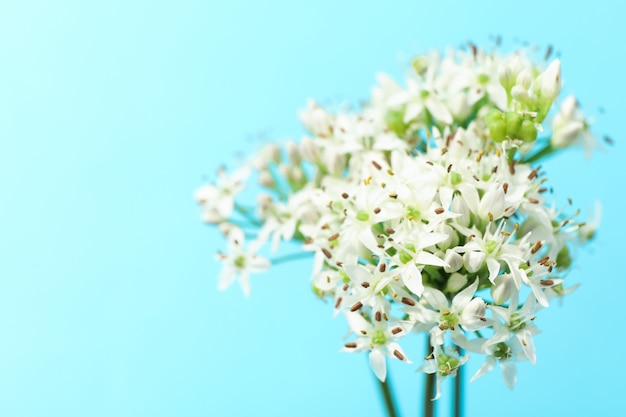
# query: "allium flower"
{"type": "Point", "coordinates": [426, 204]}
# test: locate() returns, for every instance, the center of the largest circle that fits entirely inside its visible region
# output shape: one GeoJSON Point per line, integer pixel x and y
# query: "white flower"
{"type": "Point", "coordinates": [379, 338]}
{"type": "Point", "coordinates": [239, 262]}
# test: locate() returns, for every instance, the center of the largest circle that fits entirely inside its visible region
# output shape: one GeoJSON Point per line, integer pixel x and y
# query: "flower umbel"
{"type": "Point", "coordinates": [424, 212]}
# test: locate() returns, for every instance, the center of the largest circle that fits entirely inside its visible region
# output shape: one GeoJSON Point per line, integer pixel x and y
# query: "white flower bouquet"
{"type": "Point", "coordinates": [424, 212]}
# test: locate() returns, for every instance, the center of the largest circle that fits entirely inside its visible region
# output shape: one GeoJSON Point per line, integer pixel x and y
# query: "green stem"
{"type": "Point", "coordinates": [291, 257]}
{"type": "Point", "coordinates": [246, 214]}
{"type": "Point", "coordinates": [385, 390]}
{"type": "Point", "coordinates": [457, 405]}
{"type": "Point", "coordinates": [429, 389]}
{"type": "Point", "coordinates": [546, 151]}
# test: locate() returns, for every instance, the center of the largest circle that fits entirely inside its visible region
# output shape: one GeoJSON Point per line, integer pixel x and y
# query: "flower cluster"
{"type": "Point", "coordinates": [424, 212]}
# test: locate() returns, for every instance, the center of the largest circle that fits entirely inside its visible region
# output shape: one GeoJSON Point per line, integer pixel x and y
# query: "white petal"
{"type": "Point", "coordinates": [412, 278]}
{"type": "Point", "coordinates": [426, 258]}
{"type": "Point", "coordinates": [358, 273]}
{"type": "Point", "coordinates": [436, 299]}
{"type": "Point", "coordinates": [357, 323]}
{"type": "Point", "coordinates": [464, 297]}
{"type": "Point", "coordinates": [486, 367]}
{"type": "Point", "coordinates": [378, 365]}
{"type": "Point", "coordinates": [494, 268]}
{"type": "Point", "coordinates": [509, 373]}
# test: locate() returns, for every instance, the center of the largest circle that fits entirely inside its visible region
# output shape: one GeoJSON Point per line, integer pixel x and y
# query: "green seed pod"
{"type": "Point", "coordinates": [528, 132]}
{"type": "Point", "coordinates": [493, 115]}
{"type": "Point", "coordinates": [497, 130]}
{"type": "Point", "coordinates": [513, 124]}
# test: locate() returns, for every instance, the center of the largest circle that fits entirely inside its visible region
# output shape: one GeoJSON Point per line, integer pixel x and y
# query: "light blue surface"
{"type": "Point", "coordinates": [111, 114]}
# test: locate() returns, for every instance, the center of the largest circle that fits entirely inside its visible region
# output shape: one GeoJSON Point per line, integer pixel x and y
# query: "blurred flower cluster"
{"type": "Point", "coordinates": [424, 212]}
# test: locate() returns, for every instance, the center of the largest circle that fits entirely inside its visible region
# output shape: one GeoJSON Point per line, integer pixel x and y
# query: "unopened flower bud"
{"type": "Point", "coordinates": [266, 179]}
{"type": "Point", "coordinates": [524, 79]}
{"type": "Point", "coordinates": [294, 153]}
{"type": "Point", "coordinates": [520, 94]}
{"type": "Point", "coordinates": [473, 260]}
{"type": "Point", "coordinates": [454, 260]}
{"type": "Point", "coordinates": [308, 150]}
{"type": "Point", "coordinates": [456, 282]}
{"type": "Point", "coordinates": [551, 80]}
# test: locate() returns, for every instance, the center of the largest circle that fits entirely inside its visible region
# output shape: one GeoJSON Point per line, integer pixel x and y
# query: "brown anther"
{"type": "Point", "coordinates": [328, 279]}
{"type": "Point", "coordinates": [380, 246]}
{"type": "Point", "coordinates": [505, 233]}
{"type": "Point", "coordinates": [474, 49]}
{"type": "Point", "coordinates": [398, 355]}
{"type": "Point", "coordinates": [356, 306]}
{"type": "Point", "coordinates": [308, 241]}
{"type": "Point", "coordinates": [470, 237]}
{"type": "Point", "coordinates": [482, 319]}
{"type": "Point", "coordinates": [377, 165]}
{"type": "Point", "coordinates": [548, 53]}
{"type": "Point", "coordinates": [385, 316]}
{"type": "Point", "coordinates": [382, 267]}
{"type": "Point", "coordinates": [377, 316]}
{"type": "Point", "coordinates": [339, 264]}
{"type": "Point", "coordinates": [345, 287]}
{"type": "Point", "coordinates": [569, 200]}
{"type": "Point", "coordinates": [396, 330]}
{"type": "Point", "coordinates": [350, 345]}
{"type": "Point", "coordinates": [443, 327]}
{"type": "Point", "coordinates": [512, 167]}
{"type": "Point", "coordinates": [383, 184]}
{"type": "Point", "coordinates": [325, 226]}
{"type": "Point", "coordinates": [444, 151]}
{"type": "Point", "coordinates": [490, 216]}
{"type": "Point", "coordinates": [365, 284]}
{"type": "Point", "coordinates": [533, 173]}
{"type": "Point", "coordinates": [536, 247]}
{"type": "Point", "coordinates": [523, 342]}
{"type": "Point", "coordinates": [475, 177]}
{"type": "Point", "coordinates": [338, 302]}
{"type": "Point", "coordinates": [533, 200]}
{"type": "Point", "coordinates": [393, 195]}
{"type": "Point", "coordinates": [505, 187]}
{"type": "Point", "coordinates": [363, 332]}
{"type": "Point", "coordinates": [542, 190]}
{"type": "Point", "coordinates": [327, 253]}
{"type": "Point", "coordinates": [407, 301]}
{"type": "Point", "coordinates": [439, 210]}
{"type": "Point", "coordinates": [449, 168]}
{"type": "Point", "coordinates": [495, 169]}
{"type": "Point", "coordinates": [430, 163]}
{"type": "Point", "coordinates": [333, 237]}
{"type": "Point", "coordinates": [390, 172]}
{"type": "Point", "coordinates": [376, 210]}
{"type": "Point", "coordinates": [581, 224]}
{"type": "Point", "coordinates": [452, 326]}
{"type": "Point", "coordinates": [345, 195]}
{"type": "Point", "coordinates": [547, 282]}
{"type": "Point", "coordinates": [480, 155]}
{"type": "Point", "coordinates": [608, 140]}
{"type": "Point", "coordinates": [543, 260]}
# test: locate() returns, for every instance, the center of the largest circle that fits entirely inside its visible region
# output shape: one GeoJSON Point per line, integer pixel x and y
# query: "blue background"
{"type": "Point", "coordinates": [112, 113]}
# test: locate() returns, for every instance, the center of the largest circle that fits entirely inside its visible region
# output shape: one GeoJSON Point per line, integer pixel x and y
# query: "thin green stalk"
{"type": "Point", "coordinates": [457, 405]}
{"type": "Point", "coordinates": [546, 151]}
{"type": "Point", "coordinates": [291, 257]}
{"type": "Point", "coordinates": [385, 390]}
{"type": "Point", "coordinates": [429, 389]}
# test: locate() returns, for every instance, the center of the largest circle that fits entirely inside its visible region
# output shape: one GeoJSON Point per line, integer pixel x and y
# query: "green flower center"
{"type": "Point", "coordinates": [502, 351]}
{"type": "Point", "coordinates": [379, 338]}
